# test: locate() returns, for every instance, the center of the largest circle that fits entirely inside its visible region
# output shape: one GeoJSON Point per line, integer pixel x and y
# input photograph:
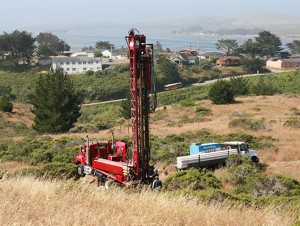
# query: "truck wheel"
{"type": "Point", "coordinates": [80, 170]}
{"type": "Point", "coordinates": [108, 184]}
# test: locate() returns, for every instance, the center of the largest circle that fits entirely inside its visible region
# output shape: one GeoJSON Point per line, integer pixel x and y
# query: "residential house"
{"type": "Point", "coordinates": [83, 54]}
{"type": "Point", "coordinates": [107, 53]}
{"type": "Point", "coordinates": [283, 63]}
{"type": "Point", "coordinates": [186, 57]}
{"type": "Point", "coordinates": [228, 61]}
{"type": "Point", "coordinates": [77, 65]}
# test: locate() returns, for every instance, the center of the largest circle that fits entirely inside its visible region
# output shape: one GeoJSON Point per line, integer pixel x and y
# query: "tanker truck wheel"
{"type": "Point", "coordinates": [80, 170]}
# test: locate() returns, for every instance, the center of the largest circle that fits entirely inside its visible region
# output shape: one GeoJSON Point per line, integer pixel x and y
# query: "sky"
{"type": "Point", "coordinates": [18, 14]}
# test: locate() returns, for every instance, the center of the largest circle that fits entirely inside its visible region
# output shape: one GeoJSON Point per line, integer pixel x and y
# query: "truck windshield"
{"type": "Point", "coordinates": [243, 147]}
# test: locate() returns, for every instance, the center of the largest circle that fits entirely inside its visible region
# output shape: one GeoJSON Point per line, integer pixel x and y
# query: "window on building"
{"type": "Point", "coordinates": [68, 69]}
{"type": "Point", "coordinates": [97, 62]}
{"type": "Point", "coordinates": [73, 62]}
{"type": "Point", "coordinates": [74, 69]}
{"type": "Point", "coordinates": [67, 63]}
{"type": "Point", "coordinates": [79, 62]}
{"type": "Point", "coordinates": [84, 68]}
{"type": "Point", "coordinates": [84, 62]}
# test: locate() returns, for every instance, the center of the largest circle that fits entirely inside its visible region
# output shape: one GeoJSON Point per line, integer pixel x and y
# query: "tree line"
{"type": "Point", "coordinates": [265, 45]}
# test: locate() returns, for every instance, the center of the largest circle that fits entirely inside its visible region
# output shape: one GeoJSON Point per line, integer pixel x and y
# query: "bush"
{"type": "Point", "coordinates": [240, 167]}
{"type": "Point", "coordinates": [5, 105]}
{"type": "Point", "coordinates": [263, 87]}
{"type": "Point", "coordinates": [221, 92]}
{"type": "Point", "coordinates": [192, 179]}
{"type": "Point", "coordinates": [50, 171]}
{"type": "Point", "coordinates": [269, 185]}
{"type": "Point", "coordinates": [249, 124]}
{"type": "Point", "coordinates": [293, 122]}
{"type": "Point", "coordinates": [240, 86]}
{"type": "Point", "coordinates": [203, 110]}
{"type": "Point", "coordinates": [187, 103]}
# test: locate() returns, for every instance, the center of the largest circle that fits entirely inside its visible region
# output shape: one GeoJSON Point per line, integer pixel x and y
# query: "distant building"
{"type": "Point", "coordinates": [77, 65]}
{"type": "Point", "coordinates": [209, 55]}
{"type": "Point", "coordinates": [228, 61]}
{"type": "Point", "coordinates": [82, 54]}
{"type": "Point", "coordinates": [107, 53]}
{"type": "Point", "coordinates": [283, 63]}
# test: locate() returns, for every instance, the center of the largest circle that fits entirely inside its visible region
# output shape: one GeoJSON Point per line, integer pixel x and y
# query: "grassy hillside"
{"type": "Point", "coordinates": [69, 203]}
{"type": "Point", "coordinates": [271, 125]}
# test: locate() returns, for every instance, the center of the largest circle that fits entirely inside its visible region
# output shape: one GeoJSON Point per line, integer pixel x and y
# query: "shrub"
{"type": "Point", "coordinates": [203, 110]}
{"type": "Point", "coordinates": [192, 179]}
{"type": "Point", "coordinates": [263, 87]}
{"type": "Point", "coordinates": [249, 124]}
{"type": "Point", "coordinates": [269, 185]}
{"type": "Point", "coordinates": [240, 86]}
{"type": "Point", "coordinates": [50, 171]}
{"type": "Point", "coordinates": [5, 104]}
{"type": "Point", "coordinates": [293, 122]}
{"type": "Point", "coordinates": [187, 103]}
{"type": "Point", "coordinates": [221, 92]}
{"type": "Point", "coordinates": [240, 167]}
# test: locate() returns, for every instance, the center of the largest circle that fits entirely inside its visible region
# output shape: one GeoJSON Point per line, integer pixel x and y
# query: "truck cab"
{"type": "Point", "coordinates": [242, 148]}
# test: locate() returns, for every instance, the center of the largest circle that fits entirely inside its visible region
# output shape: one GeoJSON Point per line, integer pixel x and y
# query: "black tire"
{"type": "Point", "coordinates": [80, 170]}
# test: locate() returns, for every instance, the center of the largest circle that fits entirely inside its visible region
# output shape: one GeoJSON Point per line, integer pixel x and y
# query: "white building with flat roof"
{"type": "Point", "coordinates": [77, 65]}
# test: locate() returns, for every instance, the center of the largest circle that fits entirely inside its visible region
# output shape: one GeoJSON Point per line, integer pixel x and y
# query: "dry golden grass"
{"type": "Point", "coordinates": [274, 108]}
{"type": "Point", "coordinates": [21, 113]}
{"type": "Point", "coordinates": [27, 201]}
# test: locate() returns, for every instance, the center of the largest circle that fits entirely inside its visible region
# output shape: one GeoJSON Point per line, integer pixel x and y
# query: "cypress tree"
{"type": "Point", "coordinates": [221, 92]}
{"type": "Point", "coordinates": [55, 103]}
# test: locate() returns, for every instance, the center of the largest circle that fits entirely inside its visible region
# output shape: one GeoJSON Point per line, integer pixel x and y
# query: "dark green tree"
{"type": "Point", "coordinates": [104, 45]}
{"type": "Point", "coordinates": [18, 44]}
{"type": "Point", "coordinates": [221, 92]}
{"type": "Point", "coordinates": [239, 85]}
{"type": "Point", "coordinates": [263, 87]}
{"type": "Point", "coordinates": [5, 104]}
{"type": "Point", "coordinates": [126, 108]}
{"type": "Point", "coordinates": [166, 72]}
{"type": "Point", "coordinates": [55, 103]}
{"type": "Point", "coordinates": [294, 46]}
{"type": "Point", "coordinates": [268, 44]}
{"type": "Point", "coordinates": [158, 46]}
{"type": "Point", "coordinates": [228, 46]}
{"type": "Point", "coordinates": [250, 48]}
{"type": "Point", "coordinates": [50, 45]}
{"type": "Point", "coordinates": [97, 53]}
{"type": "Point", "coordinates": [252, 65]}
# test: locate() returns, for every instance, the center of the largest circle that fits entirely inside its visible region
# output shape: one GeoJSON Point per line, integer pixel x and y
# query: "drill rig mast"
{"type": "Point", "coordinates": [108, 160]}
{"type": "Point", "coordinates": [141, 86]}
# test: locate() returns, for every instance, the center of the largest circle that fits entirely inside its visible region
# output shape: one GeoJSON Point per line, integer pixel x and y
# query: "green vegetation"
{"type": "Point", "coordinates": [53, 170]}
{"type": "Point", "coordinates": [168, 148]}
{"type": "Point", "coordinates": [193, 179]}
{"type": "Point", "coordinates": [55, 104]}
{"type": "Point", "coordinates": [221, 92]}
{"type": "Point", "coordinates": [248, 123]}
{"type": "Point", "coordinates": [292, 122]}
{"type": "Point", "coordinates": [248, 183]}
{"type": "Point", "coordinates": [5, 104]}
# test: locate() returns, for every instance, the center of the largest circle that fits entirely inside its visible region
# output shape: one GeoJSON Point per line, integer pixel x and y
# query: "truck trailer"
{"type": "Point", "coordinates": [216, 157]}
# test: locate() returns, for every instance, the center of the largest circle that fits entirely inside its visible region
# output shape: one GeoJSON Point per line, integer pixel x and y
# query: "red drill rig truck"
{"type": "Point", "coordinates": [108, 160]}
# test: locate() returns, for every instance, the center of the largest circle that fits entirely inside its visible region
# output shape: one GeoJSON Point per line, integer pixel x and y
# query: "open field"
{"type": "Point", "coordinates": [27, 201]}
